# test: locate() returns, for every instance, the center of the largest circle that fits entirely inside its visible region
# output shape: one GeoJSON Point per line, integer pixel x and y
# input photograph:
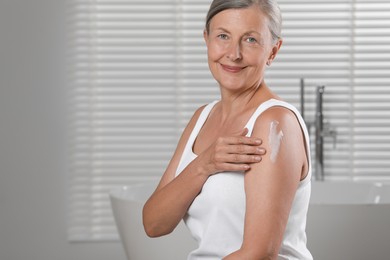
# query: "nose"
{"type": "Point", "coordinates": [234, 52]}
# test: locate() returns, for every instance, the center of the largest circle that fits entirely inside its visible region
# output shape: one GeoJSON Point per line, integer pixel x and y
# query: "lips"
{"type": "Point", "coordinates": [232, 69]}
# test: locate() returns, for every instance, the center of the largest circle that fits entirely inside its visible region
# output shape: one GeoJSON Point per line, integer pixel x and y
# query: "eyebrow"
{"type": "Point", "coordinates": [253, 31]}
{"type": "Point", "coordinates": [222, 29]}
{"type": "Point", "coordinates": [246, 33]}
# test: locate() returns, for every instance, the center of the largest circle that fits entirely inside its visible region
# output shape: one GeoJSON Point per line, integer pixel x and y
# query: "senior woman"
{"type": "Point", "coordinates": [238, 201]}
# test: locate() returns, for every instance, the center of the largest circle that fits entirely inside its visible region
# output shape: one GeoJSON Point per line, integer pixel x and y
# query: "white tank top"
{"type": "Point", "coordinates": [216, 216]}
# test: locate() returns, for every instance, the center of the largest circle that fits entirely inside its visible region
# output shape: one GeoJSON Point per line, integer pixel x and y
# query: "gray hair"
{"type": "Point", "coordinates": [268, 7]}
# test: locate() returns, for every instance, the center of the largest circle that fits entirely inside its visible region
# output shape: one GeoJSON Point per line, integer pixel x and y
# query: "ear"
{"type": "Point", "coordinates": [274, 51]}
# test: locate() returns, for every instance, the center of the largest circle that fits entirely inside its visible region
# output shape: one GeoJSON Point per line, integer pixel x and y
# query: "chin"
{"type": "Point", "coordinates": [231, 85]}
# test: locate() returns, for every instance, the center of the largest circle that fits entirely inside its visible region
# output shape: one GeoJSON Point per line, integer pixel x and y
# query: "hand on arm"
{"type": "Point", "coordinates": [270, 186]}
{"type": "Point", "coordinates": [169, 203]}
{"type": "Point", "coordinates": [234, 153]}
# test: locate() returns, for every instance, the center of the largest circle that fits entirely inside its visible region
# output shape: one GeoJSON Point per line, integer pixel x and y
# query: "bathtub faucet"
{"type": "Point", "coordinates": [322, 130]}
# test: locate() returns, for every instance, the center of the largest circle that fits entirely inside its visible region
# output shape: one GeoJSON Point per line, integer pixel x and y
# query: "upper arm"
{"type": "Point", "coordinates": [270, 185]}
{"type": "Point", "coordinates": [170, 171]}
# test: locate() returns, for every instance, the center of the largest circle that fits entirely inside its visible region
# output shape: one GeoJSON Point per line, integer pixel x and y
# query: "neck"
{"type": "Point", "coordinates": [234, 103]}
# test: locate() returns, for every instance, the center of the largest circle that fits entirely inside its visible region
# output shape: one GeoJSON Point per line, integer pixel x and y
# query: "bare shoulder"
{"type": "Point", "coordinates": [282, 135]}
{"type": "Point", "coordinates": [195, 117]}
{"type": "Point", "coordinates": [278, 118]}
{"type": "Point", "coordinates": [190, 126]}
{"type": "Point", "coordinates": [278, 115]}
{"type": "Point", "coordinates": [187, 130]}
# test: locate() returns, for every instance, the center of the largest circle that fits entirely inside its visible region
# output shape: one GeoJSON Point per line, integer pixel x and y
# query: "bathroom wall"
{"type": "Point", "coordinates": [33, 177]}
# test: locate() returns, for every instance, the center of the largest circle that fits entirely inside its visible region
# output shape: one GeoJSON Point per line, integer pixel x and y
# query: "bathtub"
{"type": "Point", "coordinates": [349, 220]}
{"type": "Point", "coordinates": [127, 203]}
{"type": "Point", "coordinates": [346, 221]}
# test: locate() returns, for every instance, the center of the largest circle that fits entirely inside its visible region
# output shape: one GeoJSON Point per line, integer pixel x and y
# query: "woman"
{"type": "Point", "coordinates": [235, 206]}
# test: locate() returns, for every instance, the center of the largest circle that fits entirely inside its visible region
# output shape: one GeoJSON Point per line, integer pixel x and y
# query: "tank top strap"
{"type": "Point", "coordinates": [201, 120]}
{"type": "Point", "coordinates": [263, 107]}
{"type": "Point", "coordinates": [199, 123]}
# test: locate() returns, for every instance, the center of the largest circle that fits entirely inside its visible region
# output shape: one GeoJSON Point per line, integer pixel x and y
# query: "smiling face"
{"type": "Point", "coordinates": [239, 45]}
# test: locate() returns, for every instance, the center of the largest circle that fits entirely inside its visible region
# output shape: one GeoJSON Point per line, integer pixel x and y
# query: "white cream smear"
{"type": "Point", "coordinates": [274, 140]}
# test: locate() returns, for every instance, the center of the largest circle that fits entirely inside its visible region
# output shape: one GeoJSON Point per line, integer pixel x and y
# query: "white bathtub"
{"type": "Point", "coordinates": [346, 221]}
{"type": "Point", "coordinates": [349, 221]}
{"type": "Point", "coordinates": [127, 203]}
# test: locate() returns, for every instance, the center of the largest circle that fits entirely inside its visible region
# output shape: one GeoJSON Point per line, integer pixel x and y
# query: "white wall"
{"type": "Point", "coordinates": [33, 175]}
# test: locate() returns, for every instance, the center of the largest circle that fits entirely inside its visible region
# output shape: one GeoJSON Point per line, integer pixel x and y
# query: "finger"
{"type": "Point", "coordinates": [242, 158]}
{"type": "Point", "coordinates": [244, 140]}
{"type": "Point", "coordinates": [244, 149]}
{"type": "Point", "coordinates": [234, 167]}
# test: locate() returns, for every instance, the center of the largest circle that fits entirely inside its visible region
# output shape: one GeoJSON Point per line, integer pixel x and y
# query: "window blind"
{"type": "Point", "coordinates": [318, 47]}
{"type": "Point", "coordinates": [371, 96]}
{"type": "Point", "coordinates": [123, 103]}
{"type": "Point", "coordinates": [138, 70]}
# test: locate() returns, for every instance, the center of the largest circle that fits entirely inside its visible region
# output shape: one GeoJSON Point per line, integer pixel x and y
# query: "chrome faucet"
{"type": "Point", "coordinates": [321, 130]}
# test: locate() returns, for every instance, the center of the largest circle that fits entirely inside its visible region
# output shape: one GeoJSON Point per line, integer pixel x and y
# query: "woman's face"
{"type": "Point", "coordinates": [239, 45]}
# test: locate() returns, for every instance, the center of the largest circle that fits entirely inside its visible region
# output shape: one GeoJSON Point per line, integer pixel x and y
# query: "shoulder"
{"type": "Point", "coordinates": [280, 129]}
{"type": "Point", "coordinates": [279, 116]}
{"type": "Point", "coordinates": [192, 122]}
{"type": "Point", "coordinates": [190, 126]}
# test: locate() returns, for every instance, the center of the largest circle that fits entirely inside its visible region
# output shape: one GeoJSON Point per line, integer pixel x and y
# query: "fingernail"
{"type": "Point", "coordinates": [260, 150]}
{"type": "Point", "coordinates": [258, 141]}
{"type": "Point", "coordinates": [257, 158]}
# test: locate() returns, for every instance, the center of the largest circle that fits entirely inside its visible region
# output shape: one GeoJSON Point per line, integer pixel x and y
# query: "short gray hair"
{"type": "Point", "coordinates": [268, 7]}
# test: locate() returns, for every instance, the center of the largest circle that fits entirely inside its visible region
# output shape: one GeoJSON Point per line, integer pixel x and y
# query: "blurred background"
{"type": "Point", "coordinates": [34, 176]}
{"type": "Point", "coordinates": [94, 94]}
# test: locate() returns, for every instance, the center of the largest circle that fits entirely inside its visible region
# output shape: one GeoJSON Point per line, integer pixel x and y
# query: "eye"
{"type": "Point", "coordinates": [251, 40]}
{"type": "Point", "coordinates": [223, 36]}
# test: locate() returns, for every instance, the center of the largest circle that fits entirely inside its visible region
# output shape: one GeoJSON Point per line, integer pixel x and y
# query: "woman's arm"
{"type": "Point", "coordinates": [173, 196]}
{"type": "Point", "coordinates": [270, 187]}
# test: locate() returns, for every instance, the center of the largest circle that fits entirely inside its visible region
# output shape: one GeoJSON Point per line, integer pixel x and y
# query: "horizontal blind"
{"type": "Point", "coordinates": [123, 118]}
{"type": "Point", "coordinates": [197, 86]}
{"type": "Point", "coordinates": [317, 47]}
{"type": "Point", "coordinates": [371, 117]}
